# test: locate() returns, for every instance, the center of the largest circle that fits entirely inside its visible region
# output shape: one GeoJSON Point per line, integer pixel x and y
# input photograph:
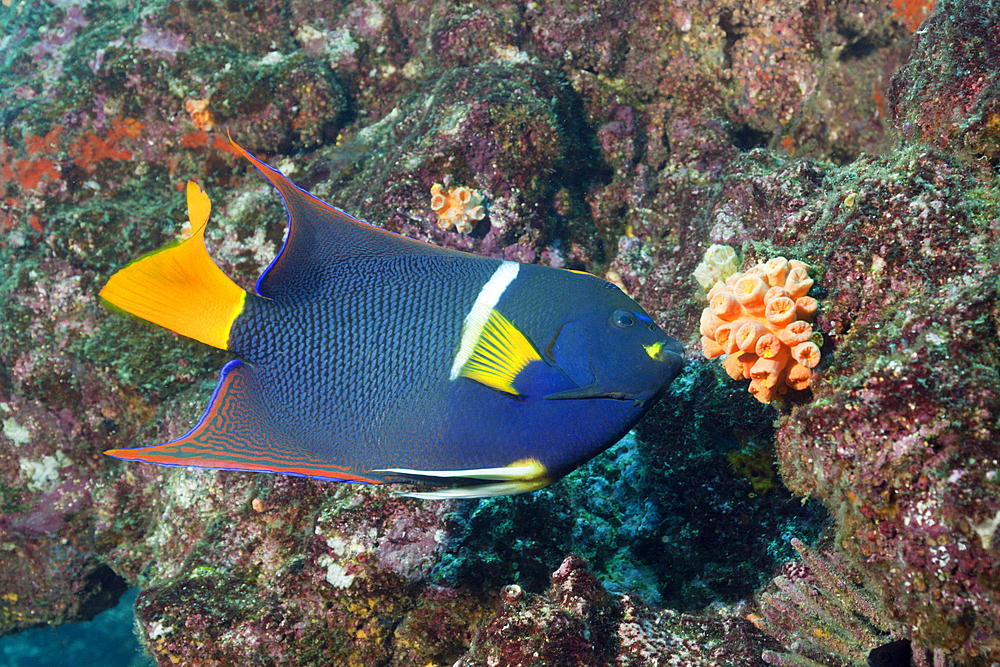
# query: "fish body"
{"type": "Point", "coordinates": [365, 356]}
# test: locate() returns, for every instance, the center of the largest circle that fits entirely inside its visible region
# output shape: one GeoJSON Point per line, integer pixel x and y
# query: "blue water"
{"type": "Point", "coordinates": [106, 640]}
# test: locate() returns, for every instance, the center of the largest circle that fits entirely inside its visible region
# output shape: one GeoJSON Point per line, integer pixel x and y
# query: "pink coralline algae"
{"type": "Point", "coordinates": [762, 319]}
{"type": "Point", "coordinates": [161, 42]}
{"type": "Point", "coordinates": [577, 622]}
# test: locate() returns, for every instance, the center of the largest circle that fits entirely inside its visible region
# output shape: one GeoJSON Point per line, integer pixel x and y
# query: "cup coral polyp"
{"type": "Point", "coordinates": [459, 206]}
{"type": "Point", "coordinates": [200, 114]}
{"type": "Point", "coordinates": [719, 263]}
{"type": "Point", "coordinates": [763, 320]}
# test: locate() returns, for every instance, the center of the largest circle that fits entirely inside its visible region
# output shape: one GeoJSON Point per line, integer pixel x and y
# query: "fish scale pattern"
{"type": "Point", "coordinates": [350, 341]}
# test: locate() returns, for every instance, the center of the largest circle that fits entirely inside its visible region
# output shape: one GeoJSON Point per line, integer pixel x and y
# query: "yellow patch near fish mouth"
{"type": "Point", "coordinates": [655, 351]}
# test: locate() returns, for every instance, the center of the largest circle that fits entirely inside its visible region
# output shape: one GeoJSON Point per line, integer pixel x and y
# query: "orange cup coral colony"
{"type": "Point", "coordinates": [460, 206]}
{"type": "Point", "coordinates": [763, 320]}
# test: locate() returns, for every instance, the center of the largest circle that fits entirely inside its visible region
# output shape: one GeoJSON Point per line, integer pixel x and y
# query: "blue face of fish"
{"type": "Point", "coordinates": [611, 348]}
{"type": "Point", "coordinates": [368, 357]}
{"type": "Point", "coordinates": [634, 352]}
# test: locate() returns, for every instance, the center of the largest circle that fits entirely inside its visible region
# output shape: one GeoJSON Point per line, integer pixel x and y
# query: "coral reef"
{"type": "Point", "coordinates": [577, 622]}
{"type": "Point", "coordinates": [954, 109]}
{"type": "Point", "coordinates": [762, 319]}
{"type": "Point", "coordinates": [618, 138]}
{"type": "Point", "coordinates": [821, 614]}
{"type": "Point", "coordinates": [510, 128]}
{"type": "Point", "coordinates": [635, 507]}
{"type": "Point", "coordinates": [318, 573]}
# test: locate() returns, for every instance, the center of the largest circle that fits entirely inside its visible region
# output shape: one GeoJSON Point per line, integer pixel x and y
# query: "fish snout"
{"type": "Point", "coordinates": [665, 350]}
{"type": "Point", "coordinates": [670, 353]}
{"type": "Point", "coordinates": [674, 347]}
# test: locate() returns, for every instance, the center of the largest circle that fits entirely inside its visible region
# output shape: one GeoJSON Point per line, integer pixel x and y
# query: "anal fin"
{"type": "Point", "coordinates": [233, 435]}
{"type": "Point", "coordinates": [518, 477]}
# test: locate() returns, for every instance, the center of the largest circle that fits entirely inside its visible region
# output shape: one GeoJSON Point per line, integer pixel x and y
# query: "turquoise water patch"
{"type": "Point", "coordinates": [106, 640]}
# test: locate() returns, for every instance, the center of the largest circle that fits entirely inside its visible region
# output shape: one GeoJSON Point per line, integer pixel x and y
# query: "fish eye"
{"type": "Point", "coordinates": [643, 317]}
{"type": "Point", "coordinates": [622, 319]}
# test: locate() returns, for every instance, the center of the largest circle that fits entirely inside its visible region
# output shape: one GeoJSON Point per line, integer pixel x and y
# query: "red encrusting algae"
{"type": "Point", "coordinates": [91, 149]}
{"type": "Point", "coordinates": [912, 13]}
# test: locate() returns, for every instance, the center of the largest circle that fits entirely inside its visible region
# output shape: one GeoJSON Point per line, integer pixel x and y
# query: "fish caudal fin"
{"type": "Point", "coordinates": [179, 286]}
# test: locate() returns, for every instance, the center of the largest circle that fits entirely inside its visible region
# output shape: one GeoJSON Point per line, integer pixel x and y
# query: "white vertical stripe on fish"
{"type": "Point", "coordinates": [477, 316]}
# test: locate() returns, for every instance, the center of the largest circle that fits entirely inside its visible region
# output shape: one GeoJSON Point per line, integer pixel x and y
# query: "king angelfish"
{"type": "Point", "coordinates": [365, 356]}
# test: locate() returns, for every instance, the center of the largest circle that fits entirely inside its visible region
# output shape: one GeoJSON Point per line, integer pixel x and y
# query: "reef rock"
{"type": "Point", "coordinates": [619, 138]}
{"type": "Point", "coordinates": [578, 623]}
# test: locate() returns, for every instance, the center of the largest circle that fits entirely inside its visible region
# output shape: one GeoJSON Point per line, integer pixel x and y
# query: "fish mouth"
{"type": "Point", "coordinates": [671, 357]}
{"type": "Point", "coordinates": [667, 351]}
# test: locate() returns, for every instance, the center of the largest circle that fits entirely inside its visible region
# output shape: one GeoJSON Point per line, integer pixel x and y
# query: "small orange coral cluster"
{"type": "Point", "coordinates": [32, 170]}
{"type": "Point", "coordinates": [461, 207]}
{"type": "Point", "coordinates": [763, 320]}
{"type": "Point", "coordinates": [201, 115]}
{"type": "Point", "coordinates": [91, 149]}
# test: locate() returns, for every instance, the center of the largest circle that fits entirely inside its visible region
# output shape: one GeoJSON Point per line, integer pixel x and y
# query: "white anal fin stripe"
{"type": "Point", "coordinates": [519, 477]}
{"type": "Point", "coordinates": [506, 473]}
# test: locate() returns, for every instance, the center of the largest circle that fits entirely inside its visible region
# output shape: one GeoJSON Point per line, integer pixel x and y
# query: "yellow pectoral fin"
{"type": "Point", "coordinates": [179, 286]}
{"type": "Point", "coordinates": [500, 353]}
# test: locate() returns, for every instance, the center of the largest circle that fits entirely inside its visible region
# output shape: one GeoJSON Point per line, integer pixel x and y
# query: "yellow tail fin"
{"type": "Point", "coordinates": [179, 286]}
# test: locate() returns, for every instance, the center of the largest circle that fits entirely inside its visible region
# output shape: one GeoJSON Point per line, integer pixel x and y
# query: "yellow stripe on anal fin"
{"type": "Point", "coordinates": [500, 353]}
{"type": "Point", "coordinates": [521, 476]}
{"type": "Point", "coordinates": [179, 286]}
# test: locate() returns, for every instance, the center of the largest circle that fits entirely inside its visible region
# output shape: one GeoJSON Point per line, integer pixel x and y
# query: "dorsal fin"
{"type": "Point", "coordinates": [321, 238]}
